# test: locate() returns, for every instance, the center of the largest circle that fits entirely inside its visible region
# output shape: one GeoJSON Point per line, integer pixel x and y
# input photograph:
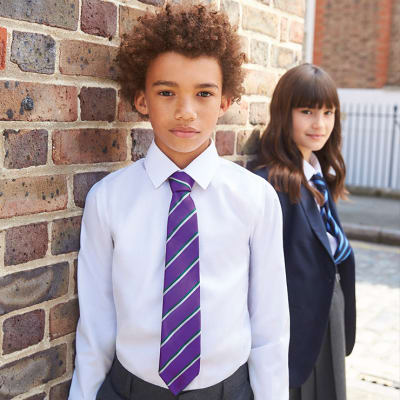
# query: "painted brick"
{"type": "Point", "coordinates": [3, 47]}
{"type": "Point", "coordinates": [65, 235]}
{"type": "Point", "coordinates": [33, 52]}
{"type": "Point", "coordinates": [128, 19]}
{"type": "Point", "coordinates": [63, 319]}
{"type": "Point", "coordinates": [232, 10]}
{"type": "Point", "coordinates": [22, 375]}
{"type": "Point", "coordinates": [258, 113]}
{"type": "Point", "coordinates": [260, 82]}
{"type": "Point", "coordinates": [127, 112]}
{"type": "Point", "coordinates": [88, 59]}
{"type": "Point", "coordinates": [248, 142]}
{"type": "Point", "coordinates": [237, 114]}
{"type": "Point", "coordinates": [60, 13]}
{"type": "Point", "coordinates": [28, 101]}
{"type": "Point", "coordinates": [141, 140]}
{"type": "Point", "coordinates": [97, 104]}
{"type": "Point", "coordinates": [26, 243]}
{"type": "Point", "coordinates": [283, 58]}
{"type": "Point", "coordinates": [260, 21]}
{"type": "Point", "coordinates": [293, 7]}
{"type": "Point", "coordinates": [25, 148]}
{"type": "Point", "coordinates": [82, 184]}
{"type": "Point", "coordinates": [60, 391]}
{"type": "Point", "coordinates": [25, 196]}
{"type": "Point", "coordinates": [89, 146]}
{"type": "Point", "coordinates": [259, 52]}
{"type": "Point", "coordinates": [296, 33]}
{"type": "Point", "coordinates": [23, 330]}
{"type": "Point", "coordinates": [225, 142]}
{"type": "Point", "coordinates": [26, 288]}
{"type": "Point", "coordinates": [99, 18]}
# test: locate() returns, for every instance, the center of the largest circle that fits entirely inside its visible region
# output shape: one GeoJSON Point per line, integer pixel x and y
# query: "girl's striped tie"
{"type": "Point", "coordinates": [180, 329]}
{"type": "Point", "coordinates": [343, 249]}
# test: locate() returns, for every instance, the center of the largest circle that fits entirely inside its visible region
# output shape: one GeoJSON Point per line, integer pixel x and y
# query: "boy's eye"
{"type": "Point", "coordinates": [165, 93]}
{"type": "Point", "coordinates": [204, 93]}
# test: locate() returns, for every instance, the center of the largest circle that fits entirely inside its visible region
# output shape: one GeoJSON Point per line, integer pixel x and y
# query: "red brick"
{"type": "Point", "coordinates": [97, 104]}
{"type": "Point", "coordinates": [60, 391]}
{"type": "Point", "coordinates": [61, 13]}
{"type": "Point", "coordinates": [28, 101]}
{"type": "Point", "coordinates": [23, 375]}
{"type": "Point", "coordinates": [25, 243]}
{"type": "Point", "coordinates": [65, 235]}
{"type": "Point", "coordinates": [23, 330]}
{"type": "Point", "coordinates": [296, 34]}
{"type": "Point", "coordinates": [3, 47]}
{"type": "Point", "coordinates": [248, 142]}
{"type": "Point", "coordinates": [258, 113]}
{"type": "Point", "coordinates": [141, 140]}
{"type": "Point", "coordinates": [63, 319]}
{"type": "Point", "coordinates": [26, 288]}
{"type": "Point", "coordinates": [237, 114]}
{"type": "Point", "coordinates": [82, 184]}
{"type": "Point", "coordinates": [127, 112]}
{"type": "Point", "coordinates": [260, 82]}
{"type": "Point", "coordinates": [25, 148]}
{"type": "Point", "coordinates": [88, 59]}
{"type": "Point", "coordinates": [225, 142]}
{"type": "Point", "coordinates": [25, 196]}
{"type": "Point", "coordinates": [128, 19]}
{"type": "Point", "coordinates": [89, 146]}
{"type": "Point", "coordinates": [99, 18]}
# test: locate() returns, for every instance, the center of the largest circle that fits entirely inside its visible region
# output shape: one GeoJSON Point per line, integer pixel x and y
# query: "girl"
{"type": "Point", "coordinates": [300, 155]}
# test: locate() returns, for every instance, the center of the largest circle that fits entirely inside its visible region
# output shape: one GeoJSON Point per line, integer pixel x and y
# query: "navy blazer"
{"type": "Point", "coordinates": [310, 274]}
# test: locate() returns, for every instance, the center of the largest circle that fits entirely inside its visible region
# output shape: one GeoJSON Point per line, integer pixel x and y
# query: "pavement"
{"type": "Point", "coordinates": [372, 224]}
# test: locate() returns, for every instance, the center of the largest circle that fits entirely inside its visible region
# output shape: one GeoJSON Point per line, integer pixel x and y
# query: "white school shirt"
{"type": "Point", "coordinates": [244, 305]}
{"type": "Point", "coordinates": [310, 169]}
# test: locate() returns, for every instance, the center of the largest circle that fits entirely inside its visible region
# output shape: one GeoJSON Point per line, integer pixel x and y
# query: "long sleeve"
{"type": "Point", "coordinates": [96, 332]}
{"type": "Point", "coordinates": [268, 306]}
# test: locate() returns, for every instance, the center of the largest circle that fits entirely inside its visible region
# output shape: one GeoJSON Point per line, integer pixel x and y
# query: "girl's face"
{"type": "Point", "coordinates": [312, 128]}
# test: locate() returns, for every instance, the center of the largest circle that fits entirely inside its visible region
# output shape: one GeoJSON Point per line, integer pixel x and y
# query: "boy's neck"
{"type": "Point", "coordinates": [182, 159]}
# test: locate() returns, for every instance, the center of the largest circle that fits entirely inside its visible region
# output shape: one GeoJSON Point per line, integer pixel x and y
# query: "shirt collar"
{"type": "Point", "coordinates": [312, 167]}
{"type": "Point", "coordinates": [202, 169]}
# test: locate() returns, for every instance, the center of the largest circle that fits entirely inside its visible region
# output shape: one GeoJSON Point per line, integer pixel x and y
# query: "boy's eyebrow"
{"type": "Point", "coordinates": [174, 84]}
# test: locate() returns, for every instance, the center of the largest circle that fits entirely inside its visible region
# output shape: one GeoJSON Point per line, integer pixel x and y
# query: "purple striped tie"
{"type": "Point", "coordinates": [180, 330]}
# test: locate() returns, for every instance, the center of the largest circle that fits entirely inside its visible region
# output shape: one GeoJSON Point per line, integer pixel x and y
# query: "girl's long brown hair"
{"type": "Point", "coordinates": [303, 86]}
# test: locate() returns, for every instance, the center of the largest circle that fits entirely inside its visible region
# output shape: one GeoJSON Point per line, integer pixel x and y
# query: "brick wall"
{"type": "Point", "coordinates": [63, 126]}
{"type": "Point", "coordinates": [352, 41]}
{"type": "Point", "coordinates": [394, 55]}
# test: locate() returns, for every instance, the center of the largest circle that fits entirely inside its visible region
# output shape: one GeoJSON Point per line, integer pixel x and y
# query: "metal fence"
{"type": "Point", "coordinates": [371, 145]}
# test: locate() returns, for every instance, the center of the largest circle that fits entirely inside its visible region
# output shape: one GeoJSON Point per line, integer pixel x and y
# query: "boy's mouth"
{"type": "Point", "coordinates": [184, 131]}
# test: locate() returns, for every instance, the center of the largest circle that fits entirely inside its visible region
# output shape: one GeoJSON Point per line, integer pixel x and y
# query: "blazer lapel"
{"type": "Point", "coordinates": [314, 218]}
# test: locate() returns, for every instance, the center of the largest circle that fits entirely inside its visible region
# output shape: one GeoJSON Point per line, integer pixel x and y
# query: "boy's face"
{"type": "Point", "coordinates": [183, 98]}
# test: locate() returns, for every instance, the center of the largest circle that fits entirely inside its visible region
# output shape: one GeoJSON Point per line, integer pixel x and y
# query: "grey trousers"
{"type": "Point", "coordinates": [120, 384]}
{"type": "Point", "coordinates": [327, 380]}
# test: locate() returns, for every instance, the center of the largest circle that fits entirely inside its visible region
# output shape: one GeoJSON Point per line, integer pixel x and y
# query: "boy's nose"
{"type": "Point", "coordinates": [185, 111]}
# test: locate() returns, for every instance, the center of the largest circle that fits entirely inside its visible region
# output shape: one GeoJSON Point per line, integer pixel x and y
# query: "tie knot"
{"type": "Point", "coordinates": [180, 181]}
{"type": "Point", "coordinates": [320, 184]}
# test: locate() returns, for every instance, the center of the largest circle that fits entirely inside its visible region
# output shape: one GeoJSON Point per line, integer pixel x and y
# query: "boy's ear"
{"type": "Point", "coordinates": [225, 104]}
{"type": "Point", "coordinates": [140, 102]}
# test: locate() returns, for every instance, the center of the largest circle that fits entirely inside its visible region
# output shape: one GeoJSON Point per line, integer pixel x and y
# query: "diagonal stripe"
{"type": "Point", "coordinates": [178, 202]}
{"type": "Point", "coordinates": [181, 250]}
{"type": "Point", "coordinates": [183, 370]}
{"type": "Point", "coordinates": [187, 319]}
{"type": "Point", "coordinates": [197, 334]}
{"type": "Point", "coordinates": [181, 276]}
{"type": "Point", "coordinates": [181, 182]}
{"type": "Point", "coordinates": [180, 224]}
{"type": "Point", "coordinates": [191, 291]}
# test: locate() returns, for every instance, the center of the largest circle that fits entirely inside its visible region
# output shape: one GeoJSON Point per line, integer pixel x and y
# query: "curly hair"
{"type": "Point", "coordinates": [191, 30]}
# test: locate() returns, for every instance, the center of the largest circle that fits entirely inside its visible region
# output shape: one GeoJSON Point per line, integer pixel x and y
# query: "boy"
{"type": "Point", "coordinates": [179, 226]}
